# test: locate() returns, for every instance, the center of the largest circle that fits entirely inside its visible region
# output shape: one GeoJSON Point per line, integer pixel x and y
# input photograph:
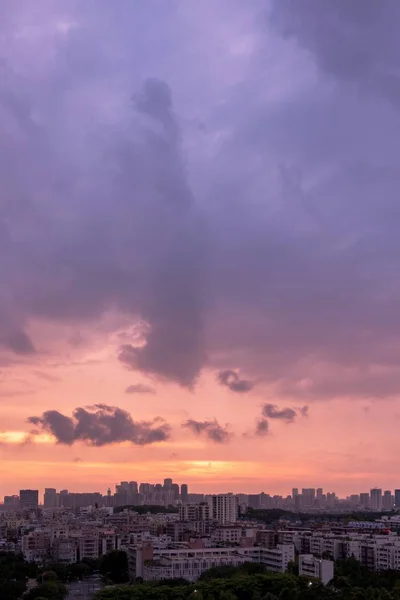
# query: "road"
{"type": "Point", "coordinates": [84, 590]}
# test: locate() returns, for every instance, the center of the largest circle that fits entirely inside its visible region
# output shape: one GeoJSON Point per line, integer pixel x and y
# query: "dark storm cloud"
{"type": "Point", "coordinates": [356, 41]}
{"type": "Point", "coordinates": [140, 388]}
{"type": "Point", "coordinates": [100, 425]}
{"type": "Point", "coordinates": [18, 342]}
{"type": "Point", "coordinates": [231, 380]}
{"type": "Point", "coordinates": [210, 429]}
{"type": "Point", "coordinates": [267, 238]}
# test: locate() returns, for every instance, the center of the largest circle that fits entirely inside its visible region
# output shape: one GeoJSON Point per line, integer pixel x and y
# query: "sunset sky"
{"type": "Point", "coordinates": [200, 244]}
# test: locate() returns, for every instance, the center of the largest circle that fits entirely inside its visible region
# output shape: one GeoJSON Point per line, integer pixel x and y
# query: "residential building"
{"type": "Point", "coordinates": [387, 500]}
{"type": "Point", "coordinates": [376, 499]}
{"type": "Point", "coordinates": [184, 492]}
{"type": "Point", "coordinates": [29, 499]}
{"type": "Point", "coordinates": [321, 569]}
{"type": "Point", "coordinates": [224, 508]}
{"type": "Point", "coordinates": [50, 499]}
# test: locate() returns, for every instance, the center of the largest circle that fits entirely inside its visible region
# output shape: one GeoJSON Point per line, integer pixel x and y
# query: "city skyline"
{"type": "Point", "coordinates": [199, 244]}
{"type": "Point", "coordinates": [134, 492]}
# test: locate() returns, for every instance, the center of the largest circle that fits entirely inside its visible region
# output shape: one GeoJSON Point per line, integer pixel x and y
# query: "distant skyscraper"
{"type": "Point", "coordinates": [11, 502]}
{"type": "Point", "coordinates": [364, 500]}
{"type": "Point", "coordinates": [133, 487]}
{"type": "Point", "coordinates": [254, 500]}
{"type": "Point", "coordinates": [167, 484]}
{"type": "Point", "coordinates": [376, 499]}
{"type": "Point", "coordinates": [308, 495]}
{"type": "Point", "coordinates": [295, 492]}
{"type": "Point", "coordinates": [387, 501]}
{"type": "Point", "coordinates": [397, 498]}
{"type": "Point", "coordinates": [144, 488]}
{"type": "Point", "coordinates": [29, 499]}
{"type": "Point", "coordinates": [50, 499]}
{"type": "Point", "coordinates": [184, 492]}
{"type": "Point", "coordinates": [320, 493]}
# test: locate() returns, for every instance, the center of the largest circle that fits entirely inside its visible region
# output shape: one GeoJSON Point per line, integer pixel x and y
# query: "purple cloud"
{"type": "Point", "coordinates": [101, 425]}
{"type": "Point", "coordinates": [246, 215]}
{"type": "Point", "coordinates": [210, 429]}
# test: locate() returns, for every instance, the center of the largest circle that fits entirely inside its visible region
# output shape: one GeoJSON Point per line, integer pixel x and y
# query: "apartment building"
{"type": "Point", "coordinates": [224, 508]}
{"type": "Point", "coordinates": [191, 560]}
{"type": "Point", "coordinates": [277, 559]}
{"type": "Point", "coordinates": [194, 512]}
{"type": "Point", "coordinates": [65, 551]}
{"type": "Point", "coordinates": [35, 546]}
{"type": "Point", "coordinates": [321, 569]}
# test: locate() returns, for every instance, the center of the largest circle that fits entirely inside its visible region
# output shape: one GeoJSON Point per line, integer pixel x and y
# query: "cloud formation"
{"type": "Point", "coordinates": [231, 380]}
{"type": "Point", "coordinates": [289, 415]}
{"type": "Point", "coordinates": [210, 429]}
{"type": "Point", "coordinates": [18, 342]}
{"type": "Point", "coordinates": [140, 388]}
{"type": "Point", "coordinates": [273, 412]}
{"type": "Point", "coordinates": [262, 427]}
{"type": "Point", "coordinates": [101, 425]}
{"type": "Point", "coordinates": [260, 230]}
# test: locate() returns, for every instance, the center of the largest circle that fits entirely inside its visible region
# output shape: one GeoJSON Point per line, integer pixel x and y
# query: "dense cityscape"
{"type": "Point", "coordinates": [162, 532]}
{"type": "Point", "coordinates": [170, 493]}
{"type": "Point", "coordinates": [199, 280]}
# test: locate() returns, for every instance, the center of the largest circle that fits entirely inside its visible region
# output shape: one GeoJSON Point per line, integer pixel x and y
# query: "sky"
{"type": "Point", "coordinates": [199, 244]}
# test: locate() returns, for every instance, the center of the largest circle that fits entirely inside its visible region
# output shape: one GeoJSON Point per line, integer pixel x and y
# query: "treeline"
{"type": "Point", "coordinates": [14, 573]}
{"type": "Point", "coordinates": [272, 515]}
{"type": "Point", "coordinates": [142, 510]}
{"type": "Point", "coordinates": [250, 582]}
{"type": "Point", "coordinates": [52, 577]}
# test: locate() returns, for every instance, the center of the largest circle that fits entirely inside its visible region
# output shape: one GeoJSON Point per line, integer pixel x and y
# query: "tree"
{"type": "Point", "coordinates": [50, 590]}
{"type": "Point", "coordinates": [196, 595]}
{"type": "Point", "coordinates": [114, 565]}
{"type": "Point", "coordinates": [293, 567]}
{"type": "Point", "coordinates": [227, 595]}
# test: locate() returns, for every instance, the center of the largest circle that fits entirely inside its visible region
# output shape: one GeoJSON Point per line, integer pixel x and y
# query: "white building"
{"type": "Point", "coordinates": [224, 508]}
{"type": "Point", "coordinates": [310, 566]}
{"type": "Point", "coordinates": [227, 533]}
{"type": "Point", "coordinates": [277, 559]}
{"type": "Point", "coordinates": [190, 561]}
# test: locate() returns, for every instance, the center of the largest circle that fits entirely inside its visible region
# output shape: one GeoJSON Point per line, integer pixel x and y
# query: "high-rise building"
{"type": "Point", "coordinates": [145, 488]}
{"type": "Point", "coordinates": [397, 498]}
{"type": "Point", "coordinates": [364, 500]}
{"type": "Point", "coordinates": [224, 508]}
{"type": "Point", "coordinates": [387, 500]}
{"type": "Point", "coordinates": [184, 492]}
{"type": "Point", "coordinates": [354, 500]}
{"type": "Point", "coordinates": [308, 496]}
{"type": "Point", "coordinates": [295, 492]}
{"type": "Point", "coordinates": [376, 499]}
{"type": "Point", "coordinates": [11, 502]}
{"type": "Point", "coordinates": [64, 499]}
{"type": "Point", "coordinates": [167, 484]}
{"type": "Point", "coordinates": [254, 500]}
{"type": "Point", "coordinates": [320, 493]}
{"type": "Point", "coordinates": [50, 499]}
{"type": "Point", "coordinates": [133, 487]}
{"type": "Point", "coordinates": [29, 499]}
